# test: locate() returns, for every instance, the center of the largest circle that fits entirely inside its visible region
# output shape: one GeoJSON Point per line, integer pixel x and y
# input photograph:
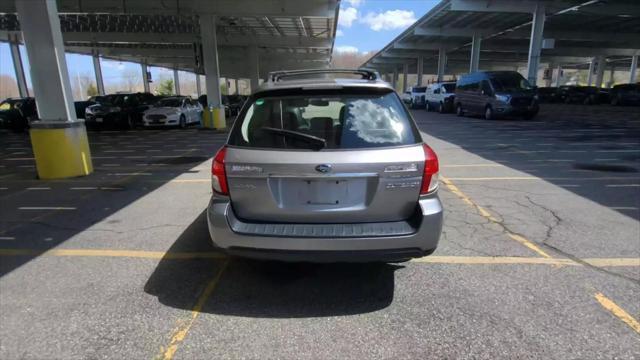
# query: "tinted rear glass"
{"type": "Point", "coordinates": [419, 89]}
{"type": "Point", "coordinates": [343, 120]}
{"type": "Point", "coordinates": [449, 87]}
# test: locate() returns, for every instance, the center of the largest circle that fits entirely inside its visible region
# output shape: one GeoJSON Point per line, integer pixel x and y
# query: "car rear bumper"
{"type": "Point", "coordinates": [327, 242]}
{"type": "Point", "coordinates": [508, 110]}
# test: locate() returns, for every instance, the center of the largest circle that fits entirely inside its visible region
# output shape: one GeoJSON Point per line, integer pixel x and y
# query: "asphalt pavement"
{"type": "Point", "coordinates": [539, 257]}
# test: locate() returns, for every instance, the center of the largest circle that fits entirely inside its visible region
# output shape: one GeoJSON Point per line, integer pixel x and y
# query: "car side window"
{"type": "Point", "coordinates": [436, 91]}
{"type": "Point", "coordinates": [485, 87]}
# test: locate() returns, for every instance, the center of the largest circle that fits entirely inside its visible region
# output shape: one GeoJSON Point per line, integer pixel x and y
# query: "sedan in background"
{"type": "Point", "coordinates": [625, 94]}
{"type": "Point", "coordinates": [123, 111]}
{"type": "Point", "coordinates": [173, 111]}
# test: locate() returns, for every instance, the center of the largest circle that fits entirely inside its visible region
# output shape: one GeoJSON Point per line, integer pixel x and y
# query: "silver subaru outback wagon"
{"type": "Point", "coordinates": [323, 169]}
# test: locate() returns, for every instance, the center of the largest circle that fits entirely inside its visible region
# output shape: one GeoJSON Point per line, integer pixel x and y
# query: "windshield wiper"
{"type": "Point", "coordinates": [314, 140]}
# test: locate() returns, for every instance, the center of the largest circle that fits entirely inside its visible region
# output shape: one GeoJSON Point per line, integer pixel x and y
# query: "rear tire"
{"type": "Point", "coordinates": [183, 122]}
{"type": "Point", "coordinates": [441, 108]}
{"type": "Point", "coordinates": [488, 113]}
{"type": "Point", "coordinates": [459, 111]}
{"type": "Point", "coordinates": [427, 107]}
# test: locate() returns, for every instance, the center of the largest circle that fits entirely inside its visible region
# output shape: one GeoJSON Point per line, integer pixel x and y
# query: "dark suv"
{"type": "Point", "coordinates": [496, 94]}
{"type": "Point", "coordinates": [625, 94]}
{"type": "Point", "coordinates": [17, 113]}
{"type": "Point", "coordinates": [122, 111]}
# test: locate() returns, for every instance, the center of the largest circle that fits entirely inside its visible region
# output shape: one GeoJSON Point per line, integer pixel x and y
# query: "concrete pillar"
{"type": "Point", "coordinates": [634, 69]}
{"type": "Point", "coordinates": [215, 116]}
{"type": "Point", "coordinates": [600, 70]}
{"type": "Point", "coordinates": [535, 44]}
{"type": "Point", "coordinates": [419, 70]}
{"type": "Point", "coordinates": [254, 68]}
{"type": "Point", "coordinates": [18, 68]}
{"type": "Point", "coordinates": [405, 75]}
{"type": "Point", "coordinates": [592, 66]}
{"type": "Point", "coordinates": [612, 72]}
{"type": "Point", "coordinates": [145, 77]}
{"type": "Point", "coordinates": [235, 85]}
{"type": "Point", "coordinates": [547, 82]}
{"type": "Point", "coordinates": [198, 87]}
{"type": "Point", "coordinates": [59, 140]}
{"type": "Point", "coordinates": [558, 75]}
{"type": "Point", "coordinates": [176, 81]}
{"type": "Point", "coordinates": [97, 69]}
{"type": "Point", "coordinates": [442, 61]}
{"type": "Point", "coordinates": [395, 78]}
{"type": "Point", "coordinates": [476, 42]}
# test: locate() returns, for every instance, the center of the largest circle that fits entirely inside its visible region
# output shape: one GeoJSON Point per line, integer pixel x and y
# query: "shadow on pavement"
{"type": "Point", "coordinates": [267, 289]}
{"type": "Point", "coordinates": [588, 150]}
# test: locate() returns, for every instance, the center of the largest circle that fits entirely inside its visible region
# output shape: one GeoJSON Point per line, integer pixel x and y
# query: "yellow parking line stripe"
{"type": "Point", "coordinates": [618, 312]}
{"type": "Point", "coordinates": [181, 331]}
{"type": "Point", "coordinates": [487, 215]}
{"type": "Point", "coordinates": [46, 208]}
{"type": "Point", "coordinates": [433, 259]}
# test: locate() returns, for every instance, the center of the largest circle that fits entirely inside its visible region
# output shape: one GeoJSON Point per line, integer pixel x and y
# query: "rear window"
{"type": "Point", "coordinates": [419, 89]}
{"type": "Point", "coordinates": [340, 120]}
{"type": "Point", "coordinates": [449, 87]}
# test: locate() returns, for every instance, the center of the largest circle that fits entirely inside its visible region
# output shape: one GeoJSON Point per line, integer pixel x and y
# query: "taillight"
{"type": "Point", "coordinates": [430, 175]}
{"type": "Point", "coordinates": [218, 174]}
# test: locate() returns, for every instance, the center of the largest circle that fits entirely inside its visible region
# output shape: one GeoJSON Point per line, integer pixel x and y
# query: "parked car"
{"type": "Point", "coordinates": [625, 94]}
{"type": "Point", "coordinates": [417, 97]}
{"type": "Point", "coordinates": [122, 111]}
{"type": "Point", "coordinates": [233, 104]}
{"type": "Point", "coordinates": [81, 107]}
{"type": "Point", "coordinates": [406, 97]}
{"type": "Point", "coordinates": [325, 170]}
{"type": "Point", "coordinates": [440, 96]}
{"type": "Point", "coordinates": [548, 94]}
{"type": "Point", "coordinates": [173, 111]}
{"type": "Point", "coordinates": [496, 94]}
{"type": "Point", "coordinates": [587, 95]}
{"type": "Point", "coordinates": [17, 113]}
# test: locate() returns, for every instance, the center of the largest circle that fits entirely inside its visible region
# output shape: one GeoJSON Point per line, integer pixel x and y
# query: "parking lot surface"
{"type": "Point", "coordinates": [539, 256]}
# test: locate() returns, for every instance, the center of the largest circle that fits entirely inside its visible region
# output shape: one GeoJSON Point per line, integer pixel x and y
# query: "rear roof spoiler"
{"type": "Point", "coordinates": [366, 74]}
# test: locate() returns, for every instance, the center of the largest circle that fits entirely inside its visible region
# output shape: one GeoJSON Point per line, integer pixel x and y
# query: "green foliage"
{"type": "Point", "coordinates": [92, 90]}
{"type": "Point", "coordinates": [224, 89]}
{"type": "Point", "coordinates": [165, 87]}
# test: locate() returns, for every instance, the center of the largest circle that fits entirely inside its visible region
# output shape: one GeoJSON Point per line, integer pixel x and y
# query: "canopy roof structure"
{"type": "Point", "coordinates": [287, 33]}
{"type": "Point", "coordinates": [574, 32]}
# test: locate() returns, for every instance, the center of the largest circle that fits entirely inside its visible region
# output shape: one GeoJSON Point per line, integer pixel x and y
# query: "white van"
{"type": "Point", "coordinates": [439, 96]}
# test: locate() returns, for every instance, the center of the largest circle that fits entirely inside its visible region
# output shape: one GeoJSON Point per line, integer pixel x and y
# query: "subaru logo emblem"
{"type": "Point", "coordinates": [323, 168]}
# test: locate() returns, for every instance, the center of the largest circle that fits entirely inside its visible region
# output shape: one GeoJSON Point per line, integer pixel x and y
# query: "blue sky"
{"type": "Point", "coordinates": [366, 25]}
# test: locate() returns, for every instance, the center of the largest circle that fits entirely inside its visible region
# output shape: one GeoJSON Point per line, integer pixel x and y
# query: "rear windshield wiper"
{"type": "Point", "coordinates": [314, 140]}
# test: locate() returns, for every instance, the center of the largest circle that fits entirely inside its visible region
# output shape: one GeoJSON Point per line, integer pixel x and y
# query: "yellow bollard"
{"type": "Point", "coordinates": [219, 121]}
{"type": "Point", "coordinates": [61, 149]}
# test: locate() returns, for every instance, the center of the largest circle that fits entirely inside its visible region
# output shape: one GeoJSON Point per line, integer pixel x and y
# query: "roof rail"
{"type": "Point", "coordinates": [367, 74]}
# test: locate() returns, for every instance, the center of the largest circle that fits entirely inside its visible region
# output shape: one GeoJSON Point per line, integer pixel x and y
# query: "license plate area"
{"type": "Point", "coordinates": [323, 192]}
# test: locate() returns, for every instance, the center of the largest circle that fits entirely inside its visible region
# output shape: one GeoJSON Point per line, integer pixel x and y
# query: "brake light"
{"type": "Point", "coordinates": [430, 175]}
{"type": "Point", "coordinates": [218, 174]}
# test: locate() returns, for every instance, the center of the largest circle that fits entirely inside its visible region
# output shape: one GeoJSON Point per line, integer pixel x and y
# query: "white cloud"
{"type": "Point", "coordinates": [339, 33]}
{"type": "Point", "coordinates": [388, 20]}
{"type": "Point", "coordinates": [346, 48]}
{"type": "Point", "coordinates": [347, 16]}
{"type": "Point", "coordinates": [355, 3]}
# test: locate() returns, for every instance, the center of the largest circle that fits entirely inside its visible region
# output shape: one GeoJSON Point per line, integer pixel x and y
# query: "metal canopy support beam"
{"type": "Point", "coordinates": [210, 55]}
{"type": "Point", "coordinates": [254, 68]}
{"type": "Point", "coordinates": [442, 61]}
{"type": "Point", "coordinates": [633, 70]}
{"type": "Point", "coordinates": [612, 73]}
{"type": "Point", "coordinates": [600, 70]}
{"type": "Point", "coordinates": [97, 69]}
{"type": "Point", "coordinates": [558, 75]}
{"type": "Point", "coordinates": [198, 86]}
{"type": "Point", "coordinates": [405, 75]}
{"type": "Point", "coordinates": [476, 42]}
{"type": "Point", "coordinates": [419, 70]}
{"type": "Point", "coordinates": [535, 44]}
{"type": "Point", "coordinates": [592, 66]}
{"type": "Point", "coordinates": [176, 81]}
{"type": "Point", "coordinates": [19, 69]}
{"type": "Point", "coordinates": [145, 77]}
{"type": "Point", "coordinates": [493, 6]}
